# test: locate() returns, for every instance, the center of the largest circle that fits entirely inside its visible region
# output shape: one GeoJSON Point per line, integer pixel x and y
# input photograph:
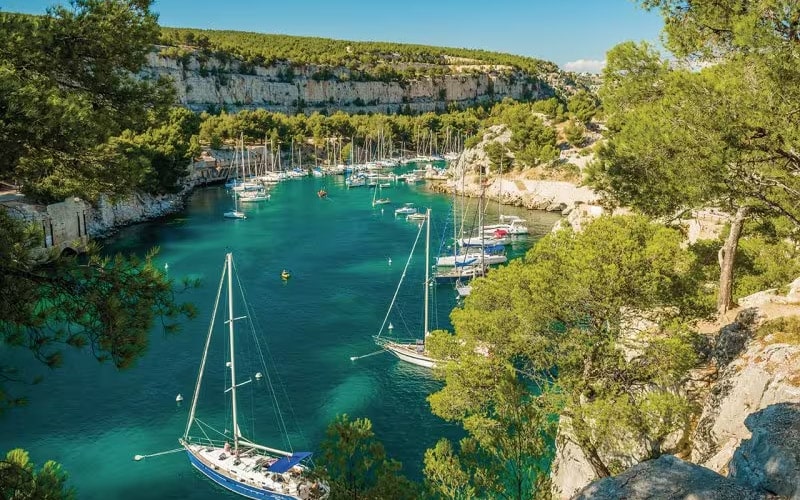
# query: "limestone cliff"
{"type": "Point", "coordinates": [203, 82]}
{"type": "Point", "coordinates": [750, 397]}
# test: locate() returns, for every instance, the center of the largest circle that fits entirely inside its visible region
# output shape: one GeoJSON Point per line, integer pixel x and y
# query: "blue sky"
{"type": "Point", "coordinates": [563, 31]}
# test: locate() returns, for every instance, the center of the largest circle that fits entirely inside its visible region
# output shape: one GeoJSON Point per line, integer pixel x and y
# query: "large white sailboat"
{"type": "Point", "coordinates": [228, 457]}
{"type": "Point", "coordinates": [412, 351]}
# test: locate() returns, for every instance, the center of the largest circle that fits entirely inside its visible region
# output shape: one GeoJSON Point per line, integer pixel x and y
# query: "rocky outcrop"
{"type": "Point", "coordinates": [770, 459]}
{"type": "Point", "coordinates": [668, 477]}
{"type": "Point", "coordinates": [759, 373]}
{"type": "Point", "coordinates": [510, 189]}
{"type": "Point", "coordinates": [765, 466]}
{"type": "Point", "coordinates": [109, 215]}
{"type": "Point", "coordinates": [204, 82]}
{"type": "Point", "coordinates": [746, 371]}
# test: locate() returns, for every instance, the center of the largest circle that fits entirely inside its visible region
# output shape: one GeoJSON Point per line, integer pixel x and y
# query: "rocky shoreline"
{"type": "Point", "coordinates": [550, 196]}
{"type": "Point", "coordinates": [109, 217]}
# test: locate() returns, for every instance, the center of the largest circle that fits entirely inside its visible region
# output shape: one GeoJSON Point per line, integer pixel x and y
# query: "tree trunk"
{"type": "Point", "coordinates": [584, 442]}
{"type": "Point", "coordinates": [726, 256]}
{"type": "Point", "coordinates": [600, 468]}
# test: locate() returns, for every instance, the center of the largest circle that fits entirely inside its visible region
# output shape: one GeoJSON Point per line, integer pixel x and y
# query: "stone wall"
{"type": "Point", "coordinates": [64, 224]}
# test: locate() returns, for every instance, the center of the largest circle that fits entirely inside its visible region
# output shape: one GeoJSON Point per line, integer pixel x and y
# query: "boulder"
{"type": "Point", "coordinates": [668, 477]}
{"type": "Point", "coordinates": [770, 459]}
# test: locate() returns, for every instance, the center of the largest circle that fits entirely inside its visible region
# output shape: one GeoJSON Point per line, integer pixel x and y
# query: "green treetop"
{"type": "Point", "coordinates": [723, 136]}
{"type": "Point", "coordinates": [594, 323]}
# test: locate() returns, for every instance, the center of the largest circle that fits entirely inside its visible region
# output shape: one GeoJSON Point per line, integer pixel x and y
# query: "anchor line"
{"type": "Point", "coordinates": [354, 358]}
{"type": "Point", "coordinates": [140, 457]}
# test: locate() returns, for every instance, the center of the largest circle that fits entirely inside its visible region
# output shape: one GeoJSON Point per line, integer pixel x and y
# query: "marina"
{"type": "Point", "coordinates": [345, 257]}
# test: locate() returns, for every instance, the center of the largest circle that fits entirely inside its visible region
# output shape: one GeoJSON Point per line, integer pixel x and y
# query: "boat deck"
{"type": "Point", "coordinates": [250, 469]}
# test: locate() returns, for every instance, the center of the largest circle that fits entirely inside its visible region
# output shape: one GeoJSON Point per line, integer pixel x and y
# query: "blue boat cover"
{"type": "Point", "coordinates": [285, 463]}
{"type": "Point", "coordinates": [494, 249]}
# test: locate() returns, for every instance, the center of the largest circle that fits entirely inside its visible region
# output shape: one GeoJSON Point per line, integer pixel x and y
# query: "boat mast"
{"type": "Point", "coordinates": [229, 264]}
{"type": "Point", "coordinates": [427, 265]}
{"type": "Point", "coordinates": [500, 194]}
{"type": "Point", "coordinates": [190, 421]}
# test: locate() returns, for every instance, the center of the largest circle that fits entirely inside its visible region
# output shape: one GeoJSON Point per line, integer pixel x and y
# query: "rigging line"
{"type": "Point", "coordinates": [408, 262]}
{"type": "Point", "coordinates": [205, 356]}
{"type": "Point", "coordinates": [202, 425]}
{"type": "Point", "coordinates": [276, 406]}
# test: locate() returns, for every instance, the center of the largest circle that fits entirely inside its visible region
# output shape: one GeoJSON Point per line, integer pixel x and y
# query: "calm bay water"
{"type": "Point", "coordinates": [93, 418]}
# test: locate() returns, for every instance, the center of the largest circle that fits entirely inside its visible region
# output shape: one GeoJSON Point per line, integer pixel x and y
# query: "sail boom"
{"type": "Point", "coordinates": [245, 442]}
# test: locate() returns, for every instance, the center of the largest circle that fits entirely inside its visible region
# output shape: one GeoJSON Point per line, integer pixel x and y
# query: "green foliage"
{"type": "Point", "coordinates": [356, 466]}
{"type": "Point", "coordinates": [768, 258]}
{"type": "Point", "coordinates": [583, 106]}
{"type": "Point", "coordinates": [575, 133]}
{"type": "Point", "coordinates": [19, 479]}
{"type": "Point", "coordinates": [105, 304]}
{"type": "Point", "coordinates": [631, 77]}
{"type": "Point", "coordinates": [415, 133]}
{"type": "Point", "coordinates": [371, 61]}
{"type": "Point", "coordinates": [553, 108]}
{"type": "Point", "coordinates": [496, 153]}
{"type": "Point", "coordinates": [67, 86]}
{"type": "Point", "coordinates": [533, 143]}
{"type": "Point", "coordinates": [593, 320]}
{"type": "Point", "coordinates": [683, 139]}
{"type": "Point", "coordinates": [785, 330]}
{"type": "Point", "coordinates": [509, 436]}
{"type": "Point", "coordinates": [164, 151]}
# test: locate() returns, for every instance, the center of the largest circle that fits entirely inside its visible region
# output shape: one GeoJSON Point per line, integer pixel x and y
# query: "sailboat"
{"type": "Point", "coordinates": [379, 201]}
{"type": "Point", "coordinates": [244, 467]}
{"type": "Point", "coordinates": [235, 213]}
{"type": "Point", "coordinates": [412, 351]}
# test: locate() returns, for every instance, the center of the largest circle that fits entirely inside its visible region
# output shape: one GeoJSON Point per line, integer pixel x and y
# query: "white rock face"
{"type": "Point", "coordinates": [571, 471]}
{"type": "Point", "coordinates": [765, 374]}
{"type": "Point", "coordinates": [108, 216]}
{"type": "Point", "coordinates": [706, 224]}
{"type": "Point", "coordinates": [216, 84]}
{"type": "Point", "coordinates": [553, 196]}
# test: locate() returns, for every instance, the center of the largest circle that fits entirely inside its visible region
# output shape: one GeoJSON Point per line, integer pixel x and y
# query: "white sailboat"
{"type": "Point", "coordinates": [243, 467]}
{"type": "Point", "coordinates": [412, 351]}
{"type": "Point", "coordinates": [379, 201]}
{"type": "Point", "coordinates": [252, 196]}
{"type": "Point", "coordinates": [235, 213]}
{"type": "Point", "coordinates": [406, 209]}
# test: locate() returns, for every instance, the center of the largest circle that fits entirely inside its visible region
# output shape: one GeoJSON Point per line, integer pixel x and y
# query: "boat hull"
{"type": "Point", "coordinates": [233, 485]}
{"type": "Point", "coordinates": [409, 354]}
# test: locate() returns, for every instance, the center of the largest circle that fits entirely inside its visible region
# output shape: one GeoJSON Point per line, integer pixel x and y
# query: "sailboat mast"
{"type": "Point", "coordinates": [427, 265]}
{"type": "Point", "coordinates": [500, 194]}
{"type": "Point", "coordinates": [199, 383]}
{"type": "Point", "coordinates": [229, 263]}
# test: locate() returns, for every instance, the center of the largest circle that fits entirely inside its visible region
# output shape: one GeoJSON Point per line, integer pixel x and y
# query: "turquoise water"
{"type": "Point", "coordinates": [93, 418]}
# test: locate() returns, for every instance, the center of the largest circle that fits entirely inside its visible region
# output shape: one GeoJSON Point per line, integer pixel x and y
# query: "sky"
{"type": "Point", "coordinates": [575, 34]}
